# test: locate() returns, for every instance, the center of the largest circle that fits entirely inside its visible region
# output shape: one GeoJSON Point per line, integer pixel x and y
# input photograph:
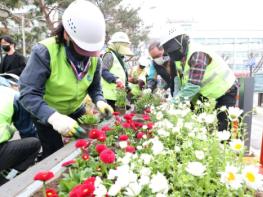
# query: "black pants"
{"type": "Point", "coordinates": [50, 139]}
{"type": "Point", "coordinates": [228, 100]}
{"type": "Point", "coordinates": [19, 154]}
{"type": "Point", "coordinates": [112, 104]}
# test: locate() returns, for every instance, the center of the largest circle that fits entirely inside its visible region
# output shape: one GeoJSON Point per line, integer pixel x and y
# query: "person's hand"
{"type": "Point", "coordinates": [141, 84]}
{"type": "Point", "coordinates": [119, 83]}
{"type": "Point", "coordinates": [63, 124]}
{"type": "Point", "coordinates": [104, 108]}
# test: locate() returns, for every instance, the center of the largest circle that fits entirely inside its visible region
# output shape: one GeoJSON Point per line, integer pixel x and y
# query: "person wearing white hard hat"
{"type": "Point", "coordinates": [137, 76]}
{"type": "Point", "coordinates": [114, 69]}
{"type": "Point", "coordinates": [202, 73]}
{"type": "Point", "coordinates": [61, 71]}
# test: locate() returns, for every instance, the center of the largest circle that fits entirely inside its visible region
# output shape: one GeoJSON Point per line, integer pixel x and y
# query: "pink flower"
{"type": "Point", "coordinates": [147, 110]}
{"type": "Point", "coordinates": [91, 179]}
{"type": "Point", "coordinates": [43, 176]}
{"type": "Point", "coordinates": [140, 135]}
{"type": "Point", "coordinates": [107, 156]}
{"type": "Point", "coordinates": [146, 117]}
{"type": "Point", "coordinates": [100, 147]}
{"type": "Point", "coordinates": [81, 143]}
{"type": "Point", "coordinates": [123, 137]}
{"type": "Point", "coordinates": [68, 163]}
{"type": "Point", "coordinates": [85, 156]}
{"type": "Point", "coordinates": [116, 113]}
{"type": "Point", "coordinates": [51, 192]}
{"type": "Point", "coordinates": [130, 149]}
{"type": "Point", "coordinates": [137, 124]}
{"type": "Point", "coordinates": [128, 117]}
{"type": "Point", "coordinates": [126, 125]}
{"type": "Point", "coordinates": [94, 133]}
{"type": "Point", "coordinates": [150, 125]}
{"type": "Point", "coordinates": [106, 128]}
{"type": "Point", "coordinates": [83, 190]}
{"type": "Point", "coordinates": [102, 137]}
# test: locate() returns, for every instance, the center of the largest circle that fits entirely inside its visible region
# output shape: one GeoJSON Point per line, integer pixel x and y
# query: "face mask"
{"type": "Point", "coordinates": [6, 48]}
{"type": "Point", "coordinates": [176, 55]}
{"type": "Point", "coordinates": [161, 60]}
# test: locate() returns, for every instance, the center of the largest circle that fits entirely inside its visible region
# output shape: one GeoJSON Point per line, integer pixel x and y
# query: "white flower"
{"type": "Point", "coordinates": [126, 159]}
{"type": "Point", "coordinates": [146, 158]}
{"type": "Point", "coordinates": [210, 118]}
{"type": "Point", "coordinates": [231, 178]}
{"type": "Point", "coordinates": [159, 183]}
{"type": "Point", "coordinates": [162, 132]}
{"type": "Point", "coordinates": [159, 115]}
{"type": "Point", "coordinates": [199, 154]}
{"type": "Point", "coordinates": [145, 171]}
{"type": "Point", "coordinates": [112, 174]}
{"type": "Point", "coordinates": [139, 147]}
{"type": "Point", "coordinates": [176, 130]}
{"type": "Point", "coordinates": [223, 135]}
{"type": "Point", "coordinates": [144, 180]}
{"type": "Point", "coordinates": [161, 195]}
{"type": "Point", "coordinates": [234, 113]}
{"type": "Point", "coordinates": [144, 127]}
{"type": "Point", "coordinates": [114, 190]}
{"type": "Point", "coordinates": [100, 190]}
{"type": "Point", "coordinates": [237, 145]}
{"type": "Point", "coordinates": [98, 181]}
{"type": "Point", "coordinates": [223, 108]}
{"type": "Point", "coordinates": [195, 168]}
{"type": "Point", "coordinates": [252, 178]}
{"type": "Point", "coordinates": [188, 125]}
{"type": "Point", "coordinates": [133, 189]}
{"type": "Point", "coordinates": [123, 144]}
{"type": "Point", "coordinates": [157, 147]}
{"type": "Point", "coordinates": [147, 91]}
{"type": "Point", "coordinates": [177, 149]}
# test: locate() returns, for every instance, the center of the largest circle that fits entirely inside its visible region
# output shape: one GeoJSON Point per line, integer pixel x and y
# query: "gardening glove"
{"type": "Point", "coordinates": [104, 108]}
{"type": "Point", "coordinates": [187, 93]}
{"type": "Point", "coordinates": [65, 125]}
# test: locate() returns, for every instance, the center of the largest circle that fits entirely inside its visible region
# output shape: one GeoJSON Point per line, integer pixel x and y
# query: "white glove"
{"type": "Point", "coordinates": [104, 108]}
{"type": "Point", "coordinates": [65, 125]}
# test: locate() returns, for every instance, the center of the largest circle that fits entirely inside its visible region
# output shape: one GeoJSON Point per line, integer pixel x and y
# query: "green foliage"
{"type": "Point", "coordinates": [146, 100]}
{"type": "Point", "coordinates": [121, 97]}
{"type": "Point", "coordinates": [89, 119]}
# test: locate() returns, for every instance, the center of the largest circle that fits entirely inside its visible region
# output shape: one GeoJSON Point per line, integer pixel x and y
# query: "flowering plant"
{"type": "Point", "coordinates": [120, 97]}
{"type": "Point", "coordinates": [174, 151]}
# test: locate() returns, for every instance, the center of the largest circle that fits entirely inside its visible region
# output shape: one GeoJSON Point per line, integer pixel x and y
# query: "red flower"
{"type": "Point", "coordinates": [150, 125]}
{"type": "Point", "coordinates": [128, 117]}
{"type": "Point", "coordinates": [106, 128]}
{"type": "Point", "coordinates": [94, 133]}
{"type": "Point", "coordinates": [139, 135]}
{"type": "Point", "coordinates": [91, 179]}
{"type": "Point", "coordinates": [137, 124]}
{"type": "Point", "coordinates": [116, 113]}
{"type": "Point", "coordinates": [68, 163]}
{"type": "Point", "coordinates": [130, 149]}
{"type": "Point", "coordinates": [85, 156]}
{"type": "Point", "coordinates": [123, 137]}
{"type": "Point", "coordinates": [83, 190]}
{"type": "Point", "coordinates": [147, 110]}
{"type": "Point", "coordinates": [51, 192]}
{"type": "Point", "coordinates": [146, 117]}
{"type": "Point", "coordinates": [81, 143]}
{"type": "Point", "coordinates": [100, 147]}
{"type": "Point", "coordinates": [126, 125]}
{"type": "Point", "coordinates": [107, 156]}
{"type": "Point", "coordinates": [43, 176]}
{"type": "Point", "coordinates": [102, 137]}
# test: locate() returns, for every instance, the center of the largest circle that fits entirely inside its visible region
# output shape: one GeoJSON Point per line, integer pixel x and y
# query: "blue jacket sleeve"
{"type": "Point", "coordinates": [32, 83]}
{"type": "Point", "coordinates": [94, 89]}
{"type": "Point", "coordinates": [151, 81]}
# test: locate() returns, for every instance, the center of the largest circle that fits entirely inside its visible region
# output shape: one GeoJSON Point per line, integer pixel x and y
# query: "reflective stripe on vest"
{"type": "Point", "coordinates": [109, 89]}
{"type": "Point", "coordinates": [63, 91]}
{"type": "Point", "coordinates": [218, 77]}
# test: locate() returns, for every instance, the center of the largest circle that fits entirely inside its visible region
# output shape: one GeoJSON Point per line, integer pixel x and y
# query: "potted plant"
{"type": "Point", "coordinates": [88, 121]}
{"type": "Point", "coordinates": [121, 100]}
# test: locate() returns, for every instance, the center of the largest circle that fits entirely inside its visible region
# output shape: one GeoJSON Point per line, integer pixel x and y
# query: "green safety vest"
{"type": "Point", "coordinates": [218, 77]}
{"type": "Point", "coordinates": [6, 112]}
{"type": "Point", "coordinates": [135, 89]}
{"type": "Point", "coordinates": [63, 91]}
{"type": "Point", "coordinates": [109, 89]}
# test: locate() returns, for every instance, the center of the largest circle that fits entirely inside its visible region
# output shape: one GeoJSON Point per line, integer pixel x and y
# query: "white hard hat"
{"type": "Point", "coordinates": [85, 25]}
{"type": "Point", "coordinates": [170, 33]}
{"type": "Point", "coordinates": [120, 37]}
{"type": "Point", "coordinates": [144, 61]}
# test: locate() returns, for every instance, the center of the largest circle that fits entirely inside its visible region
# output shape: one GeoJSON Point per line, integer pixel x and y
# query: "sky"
{"type": "Point", "coordinates": [209, 14]}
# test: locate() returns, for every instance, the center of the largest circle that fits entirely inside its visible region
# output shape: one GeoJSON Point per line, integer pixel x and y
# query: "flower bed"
{"type": "Point", "coordinates": [173, 152]}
